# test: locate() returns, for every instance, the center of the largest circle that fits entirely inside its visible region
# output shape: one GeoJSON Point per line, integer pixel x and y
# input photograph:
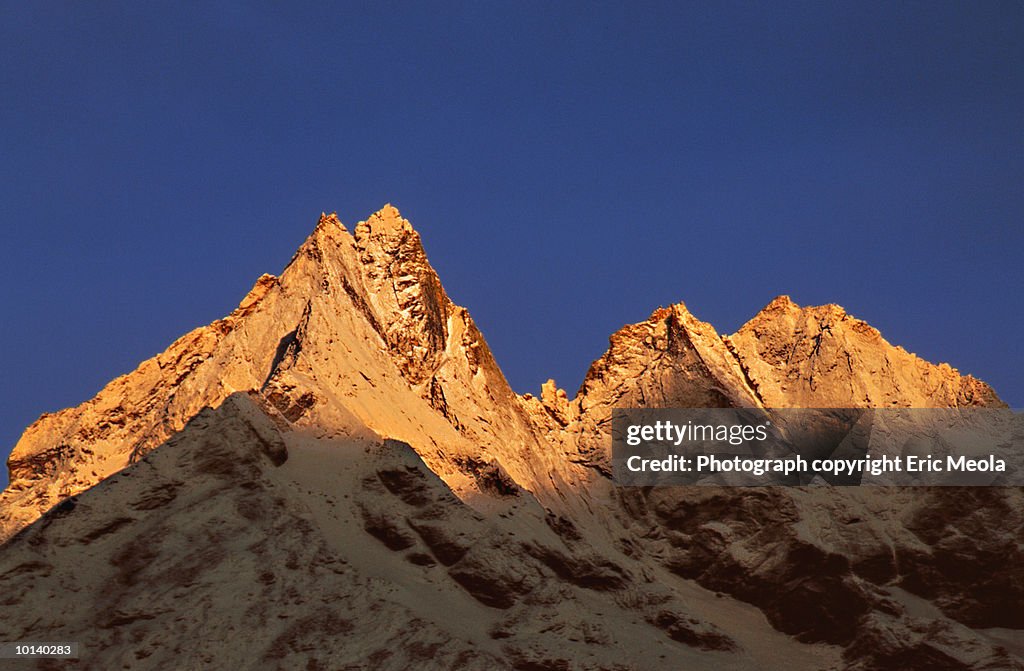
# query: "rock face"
{"type": "Point", "coordinates": [823, 357]}
{"type": "Point", "coordinates": [338, 475]}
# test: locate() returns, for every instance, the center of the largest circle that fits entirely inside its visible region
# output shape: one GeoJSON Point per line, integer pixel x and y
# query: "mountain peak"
{"type": "Point", "coordinates": [386, 220]}
{"type": "Point", "coordinates": [822, 356]}
{"type": "Point", "coordinates": [781, 302]}
{"type": "Point", "coordinates": [327, 220]}
{"type": "Point", "coordinates": [388, 211]}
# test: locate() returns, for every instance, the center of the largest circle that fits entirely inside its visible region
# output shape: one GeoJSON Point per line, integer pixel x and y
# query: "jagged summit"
{"type": "Point", "coordinates": [388, 217]}
{"type": "Point", "coordinates": [781, 300]}
{"type": "Point", "coordinates": [823, 356]}
{"type": "Point", "coordinates": [329, 219]}
{"type": "Point", "coordinates": [356, 325]}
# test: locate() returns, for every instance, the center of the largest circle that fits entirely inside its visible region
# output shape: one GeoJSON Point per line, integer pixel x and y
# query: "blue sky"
{"type": "Point", "coordinates": [569, 166]}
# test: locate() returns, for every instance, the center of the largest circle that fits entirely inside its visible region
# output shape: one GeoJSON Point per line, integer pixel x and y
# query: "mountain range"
{"type": "Point", "coordinates": [337, 475]}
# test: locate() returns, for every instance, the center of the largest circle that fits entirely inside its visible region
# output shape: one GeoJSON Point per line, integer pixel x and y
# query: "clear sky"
{"type": "Point", "coordinates": [570, 167]}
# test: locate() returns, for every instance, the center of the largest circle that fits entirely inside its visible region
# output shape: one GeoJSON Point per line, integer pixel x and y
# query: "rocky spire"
{"type": "Point", "coordinates": [356, 326]}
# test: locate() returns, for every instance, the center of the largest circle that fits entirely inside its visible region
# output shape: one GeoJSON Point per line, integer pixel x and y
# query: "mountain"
{"type": "Point", "coordinates": [337, 475]}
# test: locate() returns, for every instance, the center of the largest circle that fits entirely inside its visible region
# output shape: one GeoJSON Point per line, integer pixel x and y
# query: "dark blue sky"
{"type": "Point", "coordinates": [570, 167]}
